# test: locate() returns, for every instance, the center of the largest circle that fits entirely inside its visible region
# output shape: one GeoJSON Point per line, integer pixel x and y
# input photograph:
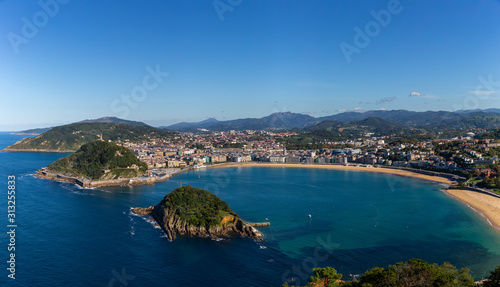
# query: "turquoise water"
{"type": "Point", "coordinates": [68, 236]}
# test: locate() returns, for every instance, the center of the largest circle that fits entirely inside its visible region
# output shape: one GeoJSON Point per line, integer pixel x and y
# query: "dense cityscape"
{"type": "Point", "coordinates": [476, 159]}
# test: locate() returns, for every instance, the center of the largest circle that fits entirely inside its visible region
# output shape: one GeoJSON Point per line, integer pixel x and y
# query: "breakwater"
{"type": "Point", "coordinates": [87, 183]}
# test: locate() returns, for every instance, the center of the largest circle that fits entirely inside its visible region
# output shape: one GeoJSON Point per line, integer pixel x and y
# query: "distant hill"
{"type": "Point", "coordinates": [337, 130]}
{"type": "Point", "coordinates": [198, 125]}
{"type": "Point", "coordinates": [285, 120]}
{"type": "Point", "coordinates": [100, 160]}
{"type": "Point", "coordinates": [488, 111]}
{"type": "Point", "coordinates": [398, 116]}
{"type": "Point", "coordinates": [113, 120]}
{"type": "Point", "coordinates": [429, 120]}
{"type": "Point", "coordinates": [32, 131]}
{"type": "Point", "coordinates": [69, 138]}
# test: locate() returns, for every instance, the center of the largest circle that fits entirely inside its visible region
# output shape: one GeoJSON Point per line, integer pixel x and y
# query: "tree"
{"type": "Point", "coordinates": [494, 279]}
{"type": "Point", "coordinates": [325, 277]}
{"type": "Point", "coordinates": [418, 273]}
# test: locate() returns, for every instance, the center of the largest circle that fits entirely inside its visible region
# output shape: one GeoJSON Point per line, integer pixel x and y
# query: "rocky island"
{"type": "Point", "coordinates": [195, 212]}
{"type": "Point", "coordinates": [97, 164]}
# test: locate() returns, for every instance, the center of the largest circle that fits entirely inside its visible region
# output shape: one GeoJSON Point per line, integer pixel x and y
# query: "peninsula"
{"type": "Point", "coordinates": [195, 212]}
{"type": "Point", "coordinates": [98, 164]}
{"type": "Point", "coordinates": [69, 138]}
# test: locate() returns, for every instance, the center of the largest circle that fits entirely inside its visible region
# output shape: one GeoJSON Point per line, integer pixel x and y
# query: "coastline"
{"type": "Point", "coordinates": [401, 172]}
{"type": "Point", "coordinates": [486, 205]}
{"type": "Point", "coordinates": [85, 183]}
{"type": "Point", "coordinates": [37, 150]}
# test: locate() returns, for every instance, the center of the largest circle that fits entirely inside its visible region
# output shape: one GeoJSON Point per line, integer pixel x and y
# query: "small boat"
{"type": "Point", "coordinates": [309, 216]}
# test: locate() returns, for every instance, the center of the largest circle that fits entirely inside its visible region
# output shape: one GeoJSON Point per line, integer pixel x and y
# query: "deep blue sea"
{"type": "Point", "coordinates": [67, 236]}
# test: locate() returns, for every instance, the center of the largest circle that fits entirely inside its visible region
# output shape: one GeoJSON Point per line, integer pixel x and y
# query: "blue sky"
{"type": "Point", "coordinates": [164, 62]}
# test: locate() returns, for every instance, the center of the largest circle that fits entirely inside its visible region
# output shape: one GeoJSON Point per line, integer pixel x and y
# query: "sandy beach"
{"type": "Point", "coordinates": [343, 167]}
{"type": "Point", "coordinates": [488, 206]}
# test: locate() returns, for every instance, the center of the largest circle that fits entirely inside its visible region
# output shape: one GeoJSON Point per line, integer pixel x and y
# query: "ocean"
{"type": "Point", "coordinates": [352, 221]}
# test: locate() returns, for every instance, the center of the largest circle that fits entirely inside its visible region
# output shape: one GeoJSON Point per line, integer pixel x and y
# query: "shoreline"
{"type": "Point", "coordinates": [385, 170]}
{"type": "Point", "coordinates": [486, 205]}
{"type": "Point", "coordinates": [44, 174]}
{"type": "Point", "coordinates": [37, 150]}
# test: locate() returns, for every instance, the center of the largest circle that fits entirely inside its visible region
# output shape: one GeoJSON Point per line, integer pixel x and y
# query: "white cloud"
{"type": "Point", "coordinates": [341, 110]}
{"type": "Point", "coordinates": [483, 93]}
{"type": "Point", "coordinates": [385, 100]}
{"type": "Point", "coordinates": [416, 94]}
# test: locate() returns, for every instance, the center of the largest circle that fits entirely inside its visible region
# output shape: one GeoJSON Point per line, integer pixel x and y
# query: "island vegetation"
{"type": "Point", "coordinates": [198, 207]}
{"type": "Point", "coordinates": [198, 213]}
{"type": "Point", "coordinates": [100, 160]}
{"type": "Point", "coordinates": [413, 273]}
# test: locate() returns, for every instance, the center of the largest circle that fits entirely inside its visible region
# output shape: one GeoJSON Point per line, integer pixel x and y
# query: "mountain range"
{"type": "Point", "coordinates": [336, 127]}
{"type": "Point", "coordinates": [464, 119]}
{"type": "Point", "coordinates": [393, 120]}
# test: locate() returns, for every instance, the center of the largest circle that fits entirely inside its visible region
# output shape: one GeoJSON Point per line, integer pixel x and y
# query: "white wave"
{"type": "Point", "coordinates": [131, 213]}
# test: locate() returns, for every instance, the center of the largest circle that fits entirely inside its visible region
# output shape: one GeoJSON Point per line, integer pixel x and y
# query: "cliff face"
{"type": "Point", "coordinates": [173, 226]}
{"type": "Point", "coordinates": [190, 211]}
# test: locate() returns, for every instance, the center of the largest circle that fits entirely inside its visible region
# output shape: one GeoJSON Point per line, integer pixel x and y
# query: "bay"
{"type": "Point", "coordinates": [68, 236]}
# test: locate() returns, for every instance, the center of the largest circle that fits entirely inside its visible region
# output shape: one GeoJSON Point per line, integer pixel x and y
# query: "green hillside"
{"type": "Point", "coordinates": [196, 206]}
{"type": "Point", "coordinates": [100, 160]}
{"type": "Point", "coordinates": [71, 137]}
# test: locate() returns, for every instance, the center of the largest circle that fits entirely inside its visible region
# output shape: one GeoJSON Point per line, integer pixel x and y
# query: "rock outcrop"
{"type": "Point", "coordinates": [170, 221]}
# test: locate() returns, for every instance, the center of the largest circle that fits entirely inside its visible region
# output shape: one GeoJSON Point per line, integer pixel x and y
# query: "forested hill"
{"type": "Point", "coordinates": [196, 206]}
{"type": "Point", "coordinates": [190, 211]}
{"type": "Point", "coordinates": [100, 160]}
{"type": "Point", "coordinates": [69, 138]}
